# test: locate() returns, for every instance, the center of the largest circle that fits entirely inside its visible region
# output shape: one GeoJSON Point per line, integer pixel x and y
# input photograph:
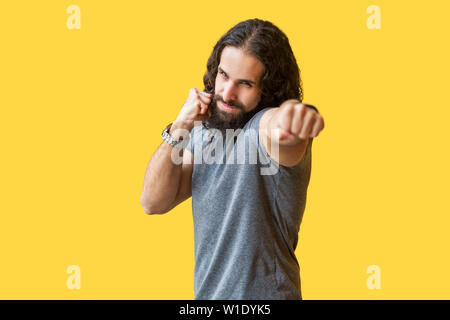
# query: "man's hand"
{"type": "Point", "coordinates": [195, 108]}
{"type": "Point", "coordinates": [295, 122]}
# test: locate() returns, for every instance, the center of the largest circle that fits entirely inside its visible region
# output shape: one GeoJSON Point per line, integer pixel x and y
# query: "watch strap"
{"type": "Point", "coordinates": [167, 137]}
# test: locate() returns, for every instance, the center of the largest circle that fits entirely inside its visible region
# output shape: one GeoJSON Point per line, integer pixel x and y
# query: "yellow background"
{"type": "Point", "coordinates": [82, 112]}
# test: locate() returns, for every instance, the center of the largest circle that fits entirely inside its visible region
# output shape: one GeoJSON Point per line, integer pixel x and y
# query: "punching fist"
{"type": "Point", "coordinates": [295, 122]}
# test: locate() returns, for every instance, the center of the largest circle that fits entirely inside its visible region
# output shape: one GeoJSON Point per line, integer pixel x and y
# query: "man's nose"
{"type": "Point", "coordinates": [229, 92]}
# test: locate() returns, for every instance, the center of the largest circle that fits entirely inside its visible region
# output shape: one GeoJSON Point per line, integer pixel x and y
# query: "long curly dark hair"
{"type": "Point", "coordinates": [263, 40]}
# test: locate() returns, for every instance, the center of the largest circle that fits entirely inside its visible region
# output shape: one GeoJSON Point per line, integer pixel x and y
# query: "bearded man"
{"type": "Point", "coordinates": [246, 223]}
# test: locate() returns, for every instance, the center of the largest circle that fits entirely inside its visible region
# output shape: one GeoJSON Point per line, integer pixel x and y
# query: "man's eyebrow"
{"type": "Point", "coordinates": [240, 80]}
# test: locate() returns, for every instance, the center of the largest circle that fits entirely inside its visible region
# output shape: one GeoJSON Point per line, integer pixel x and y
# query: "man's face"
{"type": "Point", "coordinates": [238, 89]}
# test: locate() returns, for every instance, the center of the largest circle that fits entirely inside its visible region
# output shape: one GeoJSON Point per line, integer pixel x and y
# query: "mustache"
{"type": "Point", "coordinates": [235, 104]}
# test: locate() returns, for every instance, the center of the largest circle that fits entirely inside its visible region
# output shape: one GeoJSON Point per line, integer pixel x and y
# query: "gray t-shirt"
{"type": "Point", "coordinates": [246, 220]}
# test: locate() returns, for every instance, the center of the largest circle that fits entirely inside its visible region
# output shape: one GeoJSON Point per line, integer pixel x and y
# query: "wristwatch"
{"type": "Point", "coordinates": [168, 138]}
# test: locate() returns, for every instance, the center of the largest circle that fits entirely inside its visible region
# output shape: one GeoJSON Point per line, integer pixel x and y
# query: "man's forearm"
{"type": "Point", "coordinates": [162, 176]}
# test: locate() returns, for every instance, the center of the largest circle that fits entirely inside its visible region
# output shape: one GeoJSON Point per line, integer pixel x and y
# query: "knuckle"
{"type": "Point", "coordinates": [292, 103]}
{"type": "Point", "coordinates": [289, 108]}
{"type": "Point", "coordinates": [299, 108]}
{"type": "Point", "coordinates": [289, 103]}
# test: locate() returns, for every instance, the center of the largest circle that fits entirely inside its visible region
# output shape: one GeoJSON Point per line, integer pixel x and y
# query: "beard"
{"type": "Point", "coordinates": [222, 120]}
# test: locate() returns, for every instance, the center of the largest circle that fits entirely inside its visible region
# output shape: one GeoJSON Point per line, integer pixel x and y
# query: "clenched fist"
{"type": "Point", "coordinates": [295, 122]}
{"type": "Point", "coordinates": [195, 108]}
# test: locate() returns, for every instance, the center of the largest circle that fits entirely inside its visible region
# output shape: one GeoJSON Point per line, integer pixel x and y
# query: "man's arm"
{"type": "Point", "coordinates": [289, 128]}
{"type": "Point", "coordinates": [166, 184]}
